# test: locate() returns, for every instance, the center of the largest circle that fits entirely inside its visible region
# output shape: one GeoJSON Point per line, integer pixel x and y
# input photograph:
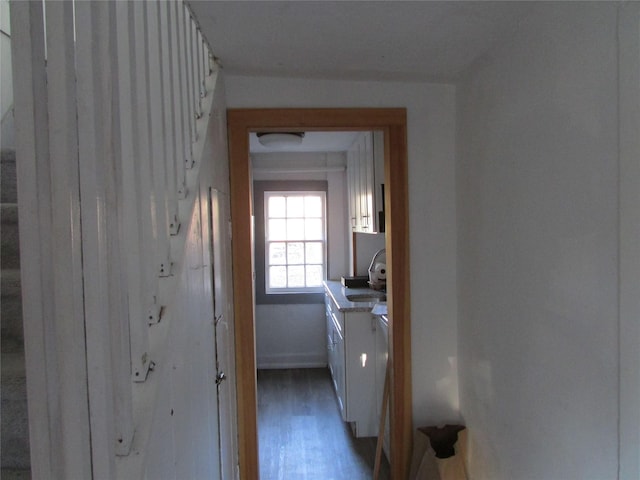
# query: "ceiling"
{"type": "Point", "coordinates": [362, 40]}
{"type": "Point", "coordinates": [312, 142]}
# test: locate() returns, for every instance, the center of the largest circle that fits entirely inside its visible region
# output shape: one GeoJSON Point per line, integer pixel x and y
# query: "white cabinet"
{"type": "Point", "coordinates": [365, 172]}
{"type": "Point", "coordinates": [351, 346]}
{"type": "Point", "coordinates": [382, 353]}
{"type": "Point", "coordinates": [335, 351]}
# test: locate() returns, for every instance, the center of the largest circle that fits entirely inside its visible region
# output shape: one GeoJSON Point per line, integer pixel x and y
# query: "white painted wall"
{"type": "Point", "coordinates": [431, 150]}
{"type": "Point", "coordinates": [537, 183]}
{"type": "Point", "coordinates": [290, 336]}
{"type": "Point", "coordinates": [294, 336]}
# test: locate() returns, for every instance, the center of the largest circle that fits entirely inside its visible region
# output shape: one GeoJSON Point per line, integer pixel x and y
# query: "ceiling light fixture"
{"type": "Point", "coordinates": [280, 139]}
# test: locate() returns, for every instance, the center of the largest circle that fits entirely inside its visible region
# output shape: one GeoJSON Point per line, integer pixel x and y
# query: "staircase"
{"type": "Point", "coordinates": [14, 433]}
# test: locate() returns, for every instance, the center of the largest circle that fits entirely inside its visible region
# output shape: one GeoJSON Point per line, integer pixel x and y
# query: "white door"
{"type": "Point", "coordinates": [220, 251]}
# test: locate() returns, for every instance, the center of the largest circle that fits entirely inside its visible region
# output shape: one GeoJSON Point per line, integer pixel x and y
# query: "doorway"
{"type": "Point", "coordinates": [393, 123]}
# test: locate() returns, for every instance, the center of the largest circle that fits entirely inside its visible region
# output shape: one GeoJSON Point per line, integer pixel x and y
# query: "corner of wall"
{"type": "Point", "coordinates": [629, 254]}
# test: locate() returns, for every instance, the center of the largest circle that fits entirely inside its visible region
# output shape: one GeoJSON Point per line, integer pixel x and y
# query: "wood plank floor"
{"type": "Point", "coordinates": [301, 434]}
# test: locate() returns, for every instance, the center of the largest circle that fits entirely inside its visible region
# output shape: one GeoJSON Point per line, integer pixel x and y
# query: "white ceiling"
{"type": "Point", "coordinates": [368, 40]}
{"type": "Point", "coordinates": [312, 142]}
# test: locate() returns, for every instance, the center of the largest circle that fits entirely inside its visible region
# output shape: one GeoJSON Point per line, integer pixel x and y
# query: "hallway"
{"type": "Point", "coordinates": [301, 434]}
{"type": "Point", "coordinates": [519, 234]}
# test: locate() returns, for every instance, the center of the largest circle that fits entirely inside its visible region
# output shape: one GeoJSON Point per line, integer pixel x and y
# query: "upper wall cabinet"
{"type": "Point", "coordinates": [365, 181]}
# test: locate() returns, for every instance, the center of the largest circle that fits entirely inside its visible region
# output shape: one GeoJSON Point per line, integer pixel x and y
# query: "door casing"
{"type": "Point", "coordinates": [392, 121]}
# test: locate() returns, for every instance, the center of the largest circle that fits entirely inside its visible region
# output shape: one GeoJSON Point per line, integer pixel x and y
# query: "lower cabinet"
{"type": "Point", "coordinates": [335, 350]}
{"type": "Point", "coordinates": [351, 344]}
{"type": "Point", "coordinates": [382, 354]}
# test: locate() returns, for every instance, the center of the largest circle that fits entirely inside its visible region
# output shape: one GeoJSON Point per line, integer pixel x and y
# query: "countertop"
{"type": "Point", "coordinates": [339, 295]}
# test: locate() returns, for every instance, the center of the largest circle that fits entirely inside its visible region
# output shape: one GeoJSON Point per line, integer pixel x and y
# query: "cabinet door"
{"type": "Point", "coordinates": [352, 187]}
{"type": "Point", "coordinates": [378, 178]}
{"type": "Point", "coordinates": [382, 343]}
{"type": "Point", "coordinates": [360, 184]}
{"type": "Point", "coordinates": [359, 357]}
{"type": "Point", "coordinates": [335, 353]}
{"type": "Point", "coordinates": [330, 343]}
{"type": "Point", "coordinates": [367, 182]}
{"type": "Point", "coordinates": [340, 377]}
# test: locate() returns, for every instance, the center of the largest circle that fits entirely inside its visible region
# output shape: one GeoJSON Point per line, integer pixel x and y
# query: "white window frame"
{"type": "Point", "coordinates": [294, 193]}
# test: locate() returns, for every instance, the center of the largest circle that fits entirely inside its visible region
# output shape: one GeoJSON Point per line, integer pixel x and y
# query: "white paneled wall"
{"type": "Point", "coordinates": [113, 101]}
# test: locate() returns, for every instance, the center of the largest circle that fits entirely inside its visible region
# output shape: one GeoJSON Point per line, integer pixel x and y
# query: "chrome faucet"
{"type": "Point", "coordinates": [378, 279]}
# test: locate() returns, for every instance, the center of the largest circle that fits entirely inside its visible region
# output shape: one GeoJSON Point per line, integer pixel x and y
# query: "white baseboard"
{"type": "Point", "coordinates": [272, 362]}
{"type": "Point", "coordinates": [280, 366]}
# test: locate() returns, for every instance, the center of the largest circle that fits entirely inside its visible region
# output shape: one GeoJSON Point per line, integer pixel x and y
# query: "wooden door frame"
{"type": "Point", "coordinates": [392, 121]}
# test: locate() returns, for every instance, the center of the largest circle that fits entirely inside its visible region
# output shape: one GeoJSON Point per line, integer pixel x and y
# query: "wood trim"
{"type": "Point", "coordinates": [318, 119]}
{"type": "Point", "coordinates": [243, 300]}
{"type": "Point", "coordinates": [397, 245]}
{"type": "Point", "coordinates": [392, 121]}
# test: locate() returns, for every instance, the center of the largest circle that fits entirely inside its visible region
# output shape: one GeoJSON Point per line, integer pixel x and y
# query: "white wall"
{"type": "Point", "coordinates": [431, 149]}
{"type": "Point", "coordinates": [537, 183]}
{"type": "Point", "coordinates": [289, 335]}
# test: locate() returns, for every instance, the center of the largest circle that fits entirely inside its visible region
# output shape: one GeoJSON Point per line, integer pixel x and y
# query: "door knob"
{"type": "Point", "coordinates": [220, 378]}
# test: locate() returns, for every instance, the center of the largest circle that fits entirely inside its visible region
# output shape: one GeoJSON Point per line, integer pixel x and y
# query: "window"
{"type": "Point", "coordinates": [295, 241]}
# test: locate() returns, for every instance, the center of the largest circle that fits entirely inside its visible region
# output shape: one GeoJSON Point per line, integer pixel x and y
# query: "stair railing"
{"type": "Point", "coordinates": [110, 98]}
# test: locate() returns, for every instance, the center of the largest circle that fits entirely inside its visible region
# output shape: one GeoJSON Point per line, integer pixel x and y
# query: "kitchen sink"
{"type": "Point", "coordinates": [367, 297]}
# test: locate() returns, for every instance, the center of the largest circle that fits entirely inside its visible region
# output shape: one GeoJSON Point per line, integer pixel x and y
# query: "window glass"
{"type": "Point", "coordinates": [314, 252]}
{"type": "Point", "coordinates": [295, 207]}
{"type": "Point", "coordinates": [295, 229]}
{"type": "Point", "coordinates": [277, 207]}
{"type": "Point", "coordinates": [277, 253]}
{"type": "Point", "coordinates": [276, 229]}
{"type": "Point", "coordinates": [313, 229]}
{"type": "Point", "coordinates": [295, 241]}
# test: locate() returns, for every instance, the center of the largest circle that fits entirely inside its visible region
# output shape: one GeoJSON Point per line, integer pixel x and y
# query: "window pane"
{"type": "Point", "coordinates": [278, 254]}
{"type": "Point", "coordinates": [295, 207]}
{"type": "Point", "coordinates": [277, 207]}
{"type": "Point", "coordinates": [314, 253]}
{"type": "Point", "coordinates": [277, 277]}
{"type": "Point", "coordinates": [295, 276]}
{"type": "Point", "coordinates": [295, 253]}
{"type": "Point", "coordinates": [277, 230]}
{"type": "Point", "coordinates": [295, 229]}
{"type": "Point", "coordinates": [313, 206]}
{"type": "Point", "coordinates": [314, 275]}
{"type": "Point", "coordinates": [313, 229]}
{"type": "Point", "coordinates": [295, 245]}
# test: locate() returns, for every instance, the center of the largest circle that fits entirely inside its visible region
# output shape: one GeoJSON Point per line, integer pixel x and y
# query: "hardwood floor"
{"type": "Point", "coordinates": [301, 435]}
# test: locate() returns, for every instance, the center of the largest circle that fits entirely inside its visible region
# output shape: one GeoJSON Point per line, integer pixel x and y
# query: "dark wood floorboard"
{"type": "Point", "coordinates": [301, 434]}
